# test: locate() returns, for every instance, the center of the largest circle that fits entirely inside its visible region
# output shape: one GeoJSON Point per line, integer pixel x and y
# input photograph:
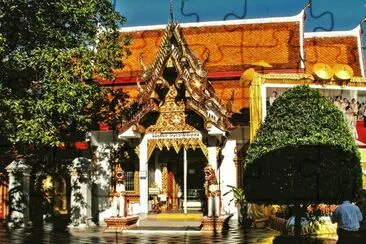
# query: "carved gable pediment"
{"type": "Point", "coordinates": [176, 86]}
{"type": "Point", "coordinates": [172, 115]}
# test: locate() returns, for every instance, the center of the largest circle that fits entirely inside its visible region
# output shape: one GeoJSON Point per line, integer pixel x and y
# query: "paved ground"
{"type": "Point", "coordinates": [48, 234]}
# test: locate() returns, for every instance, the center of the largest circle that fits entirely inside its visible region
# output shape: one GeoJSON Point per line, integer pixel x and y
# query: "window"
{"type": "Point", "coordinates": [130, 183]}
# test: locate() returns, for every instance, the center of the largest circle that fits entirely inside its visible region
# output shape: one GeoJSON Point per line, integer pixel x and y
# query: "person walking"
{"type": "Point", "coordinates": [348, 217]}
{"type": "Point", "coordinates": [354, 107]}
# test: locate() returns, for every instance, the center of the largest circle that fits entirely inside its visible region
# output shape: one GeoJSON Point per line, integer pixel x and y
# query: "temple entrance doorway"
{"type": "Point", "coordinates": [173, 185]}
{"type": "Point", "coordinates": [195, 179]}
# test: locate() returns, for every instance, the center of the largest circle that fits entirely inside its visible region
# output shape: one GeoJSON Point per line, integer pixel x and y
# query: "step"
{"type": "Point", "coordinates": [175, 216]}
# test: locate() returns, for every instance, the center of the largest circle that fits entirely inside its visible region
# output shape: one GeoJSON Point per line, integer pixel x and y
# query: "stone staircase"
{"type": "Point", "coordinates": [170, 221]}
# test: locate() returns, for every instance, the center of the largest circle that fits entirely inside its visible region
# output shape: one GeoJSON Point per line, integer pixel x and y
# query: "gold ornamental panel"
{"type": "Point", "coordinates": [176, 144]}
{"type": "Point", "coordinates": [172, 115]}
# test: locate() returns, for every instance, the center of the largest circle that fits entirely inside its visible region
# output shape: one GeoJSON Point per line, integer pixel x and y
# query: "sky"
{"type": "Point", "coordinates": [324, 15]}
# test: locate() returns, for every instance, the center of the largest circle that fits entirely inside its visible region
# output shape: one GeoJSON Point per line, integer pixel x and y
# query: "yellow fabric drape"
{"type": "Point", "coordinates": [255, 104]}
{"type": "Point", "coordinates": [363, 166]}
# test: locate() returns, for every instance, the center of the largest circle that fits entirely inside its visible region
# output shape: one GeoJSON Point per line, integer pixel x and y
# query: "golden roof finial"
{"type": "Point", "coordinates": [308, 4]}
{"type": "Point", "coordinates": [363, 20]}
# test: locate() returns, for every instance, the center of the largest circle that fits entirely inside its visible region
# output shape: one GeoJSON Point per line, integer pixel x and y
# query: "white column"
{"type": "Point", "coordinates": [158, 175]}
{"type": "Point", "coordinates": [19, 174]}
{"type": "Point", "coordinates": [102, 179]}
{"type": "Point", "coordinates": [185, 178]}
{"type": "Point", "coordinates": [144, 187]}
{"type": "Point", "coordinates": [212, 160]}
{"type": "Point", "coordinates": [212, 157]}
{"type": "Point", "coordinates": [80, 194]}
{"type": "Point", "coordinates": [228, 176]}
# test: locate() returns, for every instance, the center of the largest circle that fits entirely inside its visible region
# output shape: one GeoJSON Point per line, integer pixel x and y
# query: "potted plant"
{"type": "Point", "coordinates": [61, 146]}
{"type": "Point", "coordinates": [103, 126]}
{"type": "Point", "coordinates": [242, 204]}
{"type": "Point", "coordinates": [81, 145]}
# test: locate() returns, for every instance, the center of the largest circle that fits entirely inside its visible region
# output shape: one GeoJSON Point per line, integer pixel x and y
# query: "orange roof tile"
{"type": "Point", "coordinates": [332, 50]}
{"type": "Point", "coordinates": [132, 91]}
{"type": "Point", "coordinates": [229, 47]}
{"type": "Point", "coordinates": [224, 89]}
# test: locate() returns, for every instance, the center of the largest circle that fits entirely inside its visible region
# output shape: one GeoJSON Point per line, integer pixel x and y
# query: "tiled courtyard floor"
{"type": "Point", "coordinates": [96, 235]}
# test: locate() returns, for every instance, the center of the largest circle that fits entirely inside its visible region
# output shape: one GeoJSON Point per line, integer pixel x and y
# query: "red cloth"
{"type": "Point", "coordinates": [361, 131]}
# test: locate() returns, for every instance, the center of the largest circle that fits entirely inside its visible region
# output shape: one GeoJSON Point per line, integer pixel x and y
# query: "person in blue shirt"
{"type": "Point", "coordinates": [348, 217]}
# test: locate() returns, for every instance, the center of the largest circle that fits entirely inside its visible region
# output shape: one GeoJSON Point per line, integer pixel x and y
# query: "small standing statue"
{"type": "Point", "coordinates": [118, 202]}
{"type": "Point", "coordinates": [212, 192]}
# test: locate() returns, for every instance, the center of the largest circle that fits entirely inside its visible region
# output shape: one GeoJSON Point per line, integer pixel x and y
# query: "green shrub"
{"type": "Point", "coordinates": [303, 152]}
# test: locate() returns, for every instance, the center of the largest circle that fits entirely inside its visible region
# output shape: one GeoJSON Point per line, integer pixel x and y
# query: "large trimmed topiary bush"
{"type": "Point", "coordinates": [303, 153]}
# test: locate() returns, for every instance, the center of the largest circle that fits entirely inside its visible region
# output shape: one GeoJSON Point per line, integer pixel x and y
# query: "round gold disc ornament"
{"type": "Point", "coordinates": [343, 71]}
{"type": "Point", "coordinates": [322, 71]}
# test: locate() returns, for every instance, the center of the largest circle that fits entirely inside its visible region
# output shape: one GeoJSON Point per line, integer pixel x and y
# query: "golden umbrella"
{"type": "Point", "coordinates": [322, 71]}
{"type": "Point", "coordinates": [248, 74]}
{"type": "Point", "coordinates": [262, 64]}
{"type": "Point", "coordinates": [247, 77]}
{"type": "Point", "coordinates": [343, 71]}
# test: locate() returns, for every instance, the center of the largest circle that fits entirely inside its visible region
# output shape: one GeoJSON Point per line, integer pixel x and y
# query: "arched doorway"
{"type": "Point", "coordinates": [174, 186]}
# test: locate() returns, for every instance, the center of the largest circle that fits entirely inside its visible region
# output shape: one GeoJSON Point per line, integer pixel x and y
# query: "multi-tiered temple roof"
{"type": "Point", "coordinates": [176, 91]}
{"type": "Point", "coordinates": [228, 48]}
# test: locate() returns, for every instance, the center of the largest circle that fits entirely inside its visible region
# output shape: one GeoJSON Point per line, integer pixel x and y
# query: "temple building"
{"type": "Point", "coordinates": [201, 91]}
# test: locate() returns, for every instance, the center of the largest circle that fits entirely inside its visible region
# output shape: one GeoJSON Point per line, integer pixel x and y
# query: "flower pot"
{"type": "Point", "coordinates": [103, 127]}
{"type": "Point", "coordinates": [80, 145]}
{"type": "Point", "coordinates": [61, 146]}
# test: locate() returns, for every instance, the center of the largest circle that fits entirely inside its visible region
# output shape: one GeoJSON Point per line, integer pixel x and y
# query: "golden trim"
{"type": "Point", "coordinates": [164, 177]}
{"type": "Point", "coordinates": [176, 144]}
{"type": "Point", "coordinates": [286, 76]}
{"type": "Point", "coordinates": [137, 150]}
{"type": "Point", "coordinates": [136, 179]}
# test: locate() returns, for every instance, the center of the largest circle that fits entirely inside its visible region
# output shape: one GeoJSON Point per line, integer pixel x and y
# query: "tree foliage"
{"type": "Point", "coordinates": [303, 152]}
{"type": "Point", "coordinates": [51, 52]}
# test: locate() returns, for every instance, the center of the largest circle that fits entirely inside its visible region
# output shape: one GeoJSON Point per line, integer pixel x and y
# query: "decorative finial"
{"type": "Point", "coordinates": [363, 20]}
{"type": "Point", "coordinates": [308, 4]}
{"type": "Point", "coordinates": [171, 11]}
